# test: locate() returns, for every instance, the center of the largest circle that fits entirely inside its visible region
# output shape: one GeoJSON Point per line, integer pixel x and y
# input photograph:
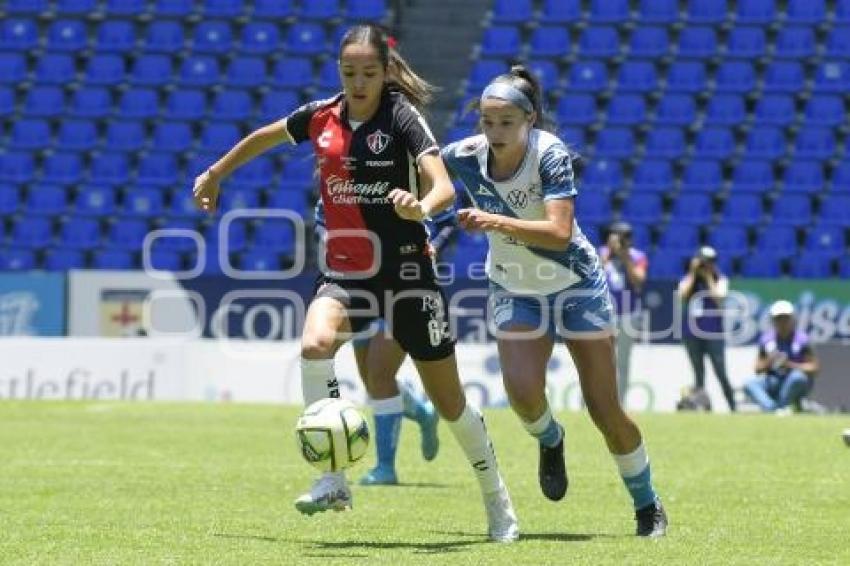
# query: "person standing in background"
{"type": "Point", "coordinates": [625, 269]}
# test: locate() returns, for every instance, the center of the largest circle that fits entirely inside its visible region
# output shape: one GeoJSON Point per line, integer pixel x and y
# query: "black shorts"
{"type": "Point", "coordinates": [414, 308]}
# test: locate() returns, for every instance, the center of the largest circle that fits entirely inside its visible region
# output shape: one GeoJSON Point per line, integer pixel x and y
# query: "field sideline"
{"type": "Point", "coordinates": [180, 483]}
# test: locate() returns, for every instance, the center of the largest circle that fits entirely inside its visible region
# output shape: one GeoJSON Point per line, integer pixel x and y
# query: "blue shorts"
{"type": "Point", "coordinates": [582, 311]}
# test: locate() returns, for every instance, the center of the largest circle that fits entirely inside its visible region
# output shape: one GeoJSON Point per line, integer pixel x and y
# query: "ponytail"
{"type": "Point", "coordinates": [524, 80]}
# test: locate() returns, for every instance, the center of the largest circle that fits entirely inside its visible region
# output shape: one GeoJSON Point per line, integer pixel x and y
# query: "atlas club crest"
{"type": "Point", "coordinates": [378, 141]}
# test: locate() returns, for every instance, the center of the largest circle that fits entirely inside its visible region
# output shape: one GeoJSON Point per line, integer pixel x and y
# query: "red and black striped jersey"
{"type": "Point", "coordinates": [357, 170]}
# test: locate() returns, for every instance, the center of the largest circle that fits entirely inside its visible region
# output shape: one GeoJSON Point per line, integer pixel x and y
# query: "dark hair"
{"type": "Point", "coordinates": [524, 80]}
{"type": "Point", "coordinates": [400, 75]}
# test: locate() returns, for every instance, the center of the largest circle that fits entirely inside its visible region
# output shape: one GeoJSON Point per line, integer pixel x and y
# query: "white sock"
{"type": "Point", "coordinates": [318, 380]}
{"type": "Point", "coordinates": [633, 463]}
{"type": "Point", "coordinates": [471, 434]}
{"type": "Point", "coordinates": [545, 429]}
{"type": "Point", "coordinates": [389, 406]}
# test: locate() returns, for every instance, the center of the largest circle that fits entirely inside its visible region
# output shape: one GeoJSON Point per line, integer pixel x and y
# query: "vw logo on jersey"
{"type": "Point", "coordinates": [378, 141]}
{"type": "Point", "coordinates": [517, 198]}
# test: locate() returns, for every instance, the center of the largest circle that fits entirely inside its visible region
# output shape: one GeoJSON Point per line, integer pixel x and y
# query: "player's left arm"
{"type": "Point", "coordinates": [809, 365]}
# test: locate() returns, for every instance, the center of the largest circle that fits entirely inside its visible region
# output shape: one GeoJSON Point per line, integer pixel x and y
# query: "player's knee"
{"type": "Point", "coordinates": [317, 346]}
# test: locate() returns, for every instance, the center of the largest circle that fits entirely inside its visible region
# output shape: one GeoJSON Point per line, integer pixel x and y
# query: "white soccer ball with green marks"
{"type": "Point", "coordinates": [332, 434]}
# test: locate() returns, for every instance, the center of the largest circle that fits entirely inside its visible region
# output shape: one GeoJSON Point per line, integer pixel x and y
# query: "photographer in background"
{"type": "Point", "coordinates": [786, 363]}
{"type": "Point", "coordinates": [625, 269]}
{"type": "Point", "coordinates": [703, 290]}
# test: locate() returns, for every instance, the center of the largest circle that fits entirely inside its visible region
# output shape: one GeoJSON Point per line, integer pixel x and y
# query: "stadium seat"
{"type": "Point", "coordinates": [706, 11]}
{"type": "Point", "coordinates": [762, 265]}
{"type": "Point", "coordinates": [14, 68]}
{"type": "Point", "coordinates": [574, 137]}
{"type": "Point", "coordinates": [91, 103]}
{"type": "Point", "coordinates": [729, 240]}
{"type": "Point", "coordinates": [16, 259]}
{"type": "Point", "coordinates": [219, 136]}
{"type": "Point", "coordinates": [549, 41]}
{"type": "Point", "coordinates": [804, 177]}
{"type": "Point", "coordinates": [792, 210]}
{"type": "Point", "coordinates": [683, 237]}
{"type": "Point", "coordinates": [16, 167]}
{"type": "Point", "coordinates": [775, 110]}
{"type": "Point", "coordinates": [840, 178]}
{"type": "Point", "coordinates": [110, 169]}
{"type": "Point", "coordinates": [759, 12]}
{"type": "Point", "coordinates": [726, 110]}
{"type": "Point", "coordinates": [777, 239]}
{"type": "Point", "coordinates": [615, 143]}
{"type": "Point", "coordinates": [500, 41]}
{"type": "Point", "coordinates": [62, 167]}
{"type": "Point", "coordinates": [795, 43]}
{"type": "Point", "coordinates": [746, 43]}
{"type": "Point", "coordinates": [833, 77]}
{"type": "Point", "coordinates": [274, 9]}
{"type": "Point", "coordinates": [609, 11]}
{"type": "Point", "coordinates": [257, 173]}
{"type": "Point", "coordinates": [52, 69]}
{"type": "Point", "coordinates": [637, 76]}
{"type": "Point", "coordinates": [105, 70]}
{"type": "Point", "coordinates": [742, 209]}
{"type": "Point", "coordinates": [152, 70]}
{"type": "Point", "coordinates": [294, 72]}
{"type": "Point", "coordinates": [593, 207]}
{"type": "Point", "coordinates": [838, 43]}
{"type": "Point", "coordinates": [259, 260]}
{"type": "Point", "coordinates": [305, 39]}
{"type": "Point", "coordinates": [702, 176]}
{"type": "Point", "coordinates": [237, 236]}
{"type": "Point", "coordinates": [199, 71]}
{"type": "Point", "coordinates": [163, 259]}
{"type": "Point", "coordinates": [10, 199]}
{"type": "Point", "coordinates": [697, 43]}
{"type": "Point", "coordinates": [212, 37]}
{"type": "Point", "coordinates": [665, 142]}
{"type": "Point", "coordinates": [547, 74]}
{"type": "Point", "coordinates": [835, 210]}
{"type": "Point", "coordinates": [805, 12]}
{"type": "Point", "coordinates": [31, 232]}
{"type": "Point", "coordinates": [753, 177]}
{"type": "Point", "coordinates": [559, 11]}
{"type": "Point", "coordinates": [75, 7]}
{"type": "Point", "coordinates": [321, 10]}
{"type": "Point", "coordinates": [692, 208]}
{"type": "Point", "coordinates": [365, 10]}
{"type": "Point", "coordinates": [599, 42]}
{"type": "Point", "coordinates": [231, 105]}
{"type": "Point", "coordinates": [18, 34]}
{"type": "Point", "coordinates": [46, 199]}
{"type": "Point", "coordinates": [735, 77]}
{"type": "Point", "coordinates": [765, 143]}
{"type": "Point", "coordinates": [715, 143]}
{"type": "Point", "coordinates": [814, 143]}
{"type": "Point", "coordinates": [238, 198]}
{"type": "Point", "coordinates": [577, 109]}
{"type": "Point", "coordinates": [183, 206]}
{"type": "Point", "coordinates": [825, 110]}
{"type": "Point", "coordinates": [30, 134]}
{"type": "Point", "coordinates": [259, 38]}
{"type": "Point", "coordinates": [95, 200]}
{"type": "Point", "coordinates": [658, 11]}
{"type": "Point", "coordinates": [642, 208]}
{"type": "Point", "coordinates": [784, 76]}
{"type": "Point", "coordinates": [812, 266]}
{"type": "Point", "coordinates": [688, 76]}
{"type": "Point", "coordinates": [603, 176]}
{"type": "Point", "coordinates": [139, 103]}
{"type": "Point", "coordinates": [653, 175]}
{"type": "Point", "coordinates": [33, 7]}
{"type": "Point", "coordinates": [223, 8]}
{"type": "Point", "coordinates": [142, 202]}
{"type": "Point", "coordinates": [115, 36]}
{"type": "Point", "coordinates": [276, 105]}
{"type": "Point", "coordinates": [164, 36]}
{"type": "Point", "coordinates": [329, 75]}
{"type": "Point", "coordinates": [44, 101]}
{"type": "Point", "coordinates": [274, 234]}
{"type": "Point", "coordinates": [173, 8]}
{"type": "Point", "coordinates": [112, 259]}
{"type": "Point", "coordinates": [77, 135]}
{"type": "Point", "coordinates": [185, 105]}
{"type": "Point", "coordinates": [125, 7]}
{"type": "Point", "coordinates": [7, 101]}
{"type": "Point", "coordinates": [826, 239]}
{"type": "Point", "coordinates": [512, 11]}
{"type": "Point", "coordinates": [172, 136]}
{"type": "Point", "coordinates": [247, 72]}
{"type": "Point", "coordinates": [63, 259]}
{"type": "Point", "coordinates": [128, 233]}
{"type": "Point", "coordinates": [649, 43]}
{"type": "Point", "coordinates": [586, 76]}
{"type": "Point", "coordinates": [668, 264]}
{"type": "Point", "coordinates": [676, 110]}
{"type": "Point", "coordinates": [626, 110]}
{"type": "Point", "coordinates": [158, 169]}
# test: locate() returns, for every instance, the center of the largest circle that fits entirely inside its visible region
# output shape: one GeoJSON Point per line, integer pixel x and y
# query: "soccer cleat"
{"type": "Point", "coordinates": [552, 471]}
{"type": "Point", "coordinates": [428, 428]}
{"type": "Point", "coordinates": [502, 524]}
{"type": "Point", "coordinates": [651, 520]}
{"type": "Point", "coordinates": [329, 493]}
{"type": "Point", "coordinates": [379, 475]}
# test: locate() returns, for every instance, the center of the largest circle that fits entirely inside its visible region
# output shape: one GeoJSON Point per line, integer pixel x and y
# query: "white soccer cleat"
{"type": "Point", "coordinates": [502, 523]}
{"type": "Point", "coordinates": [329, 493]}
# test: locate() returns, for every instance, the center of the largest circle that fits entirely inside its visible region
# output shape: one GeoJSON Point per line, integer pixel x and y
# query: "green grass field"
{"type": "Point", "coordinates": [159, 483]}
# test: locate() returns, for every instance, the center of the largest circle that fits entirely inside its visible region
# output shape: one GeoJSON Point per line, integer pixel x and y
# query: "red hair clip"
{"type": "Point", "coordinates": [391, 42]}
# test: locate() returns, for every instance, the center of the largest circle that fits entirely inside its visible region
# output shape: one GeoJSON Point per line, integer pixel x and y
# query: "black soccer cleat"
{"type": "Point", "coordinates": [651, 520]}
{"type": "Point", "coordinates": [552, 471]}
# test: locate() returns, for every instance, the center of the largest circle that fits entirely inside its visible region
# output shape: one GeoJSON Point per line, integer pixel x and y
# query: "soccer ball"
{"type": "Point", "coordinates": [332, 434]}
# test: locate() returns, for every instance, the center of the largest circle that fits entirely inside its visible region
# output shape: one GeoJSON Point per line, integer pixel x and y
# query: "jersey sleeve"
{"type": "Point", "coordinates": [556, 173]}
{"type": "Point", "coordinates": [413, 130]}
{"type": "Point", "coordinates": [297, 123]}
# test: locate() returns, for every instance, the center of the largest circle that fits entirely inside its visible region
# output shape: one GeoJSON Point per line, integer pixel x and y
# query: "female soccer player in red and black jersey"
{"type": "Point", "coordinates": [368, 141]}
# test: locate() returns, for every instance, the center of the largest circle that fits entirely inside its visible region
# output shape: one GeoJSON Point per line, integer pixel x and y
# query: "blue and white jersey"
{"type": "Point", "coordinates": [546, 173]}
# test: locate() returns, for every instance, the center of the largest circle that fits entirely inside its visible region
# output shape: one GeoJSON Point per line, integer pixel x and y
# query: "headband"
{"type": "Point", "coordinates": [512, 94]}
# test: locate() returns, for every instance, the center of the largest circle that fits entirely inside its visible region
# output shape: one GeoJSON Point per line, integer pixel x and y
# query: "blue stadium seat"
{"type": "Point", "coordinates": [26, 6]}
{"type": "Point", "coordinates": [765, 143]}
{"type": "Point", "coordinates": [91, 103]}
{"type": "Point", "coordinates": [214, 37]}
{"type": "Point", "coordinates": [293, 72]}
{"type": "Point", "coordinates": [329, 75]}
{"type": "Point", "coordinates": [812, 266]}
{"type": "Point", "coordinates": [726, 110]}
{"type": "Point", "coordinates": [649, 43]}
{"type": "Point", "coordinates": [762, 265]}
{"type": "Point", "coordinates": [593, 207]}
{"type": "Point", "coordinates": [775, 110]}
{"type": "Point", "coordinates": [259, 260]}
{"type": "Point", "coordinates": [626, 110]}
{"type": "Point", "coordinates": [46, 199]}
{"type": "Point", "coordinates": [792, 210]}
{"type": "Point", "coordinates": [112, 259]}
{"type": "Point", "coordinates": [637, 76]}
{"type": "Point", "coordinates": [75, 7]}
{"type": "Point", "coordinates": [549, 41]}
{"type": "Point", "coordinates": [804, 177]}
{"type": "Point", "coordinates": [714, 143]}
{"type": "Point", "coordinates": [247, 72]}
{"type": "Point", "coordinates": [62, 167]}
{"type": "Point", "coordinates": [259, 38]}
{"type": "Point", "coordinates": [95, 200]}
{"type": "Point", "coordinates": [199, 163]}
{"type": "Point", "coordinates": [288, 200]}
{"type": "Point", "coordinates": [185, 105]}
{"type": "Point", "coordinates": [51, 69]}
{"type": "Point", "coordinates": [152, 70]}
{"type": "Point", "coordinates": [172, 136]}
{"type": "Point", "coordinates": [44, 101]}
{"type": "Point", "coordinates": [34, 232]}
{"type": "Point", "coordinates": [577, 109]}
{"type": "Point", "coordinates": [841, 13]}
{"type": "Point", "coordinates": [219, 136]}
{"type": "Point", "coordinates": [14, 68]}
{"type": "Point", "coordinates": [158, 169]}
{"type": "Point", "coordinates": [742, 209]}
{"type": "Point", "coordinates": [512, 11]}
{"type": "Point", "coordinates": [163, 259]}
{"type": "Point", "coordinates": [105, 70]}
{"type": "Point", "coordinates": [7, 101]}
{"type": "Point", "coordinates": [128, 233]}
{"type": "Point", "coordinates": [16, 167]}
{"type": "Point", "coordinates": [805, 12]}
{"type": "Point", "coordinates": [142, 202]}
{"type": "Point", "coordinates": [604, 176]}
{"type": "Point", "coordinates": [67, 35]}
{"type": "Point", "coordinates": [10, 199]}
{"type": "Point", "coordinates": [366, 10]}
{"type": "Point", "coordinates": [274, 9]}
{"type": "Point", "coordinates": [115, 36]}
{"type": "Point", "coordinates": [200, 71]}
{"type": "Point", "coordinates": [697, 43]}
{"type": "Point", "coordinates": [223, 8]}
{"type": "Point", "coordinates": [125, 7]}
{"type": "Point", "coordinates": [683, 237]}
{"type": "Point", "coordinates": [840, 178]}
{"type": "Point", "coordinates": [321, 10]}
{"type": "Point", "coordinates": [616, 143]}
{"type": "Point", "coordinates": [668, 264]}
{"type": "Point", "coordinates": [183, 205]}
{"type": "Point", "coordinates": [706, 11]}
{"type": "Point", "coordinates": [777, 239]}
{"type": "Point", "coordinates": [658, 11]}
{"type": "Point", "coordinates": [305, 39]}
{"type": "Point", "coordinates": [676, 110]}
{"type": "Point", "coordinates": [500, 41]}
{"type": "Point", "coordinates": [574, 137]}
{"type": "Point", "coordinates": [826, 239]}
{"type": "Point", "coordinates": [753, 177]}
{"type": "Point", "coordinates": [18, 34]}
{"type": "Point", "coordinates": [232, 105]}
{"type": "Point", "coordinates": [584, 76]}
{"type": "Point", "coordinates": [139, 103]}
{"type": "Point", "coordinates": [63, 259]}
{"type": "Point", "coordinates": [30, 134]}
{"type": "Point", "coordinates": [835, 210]}
{"type": "Point", "coordinates": [609, 11]}
{"type": "Point", "coordinates": [559, 11]}
{"type": "Point", "coordinates": [688, 76]}
{"type": "Point", "coordinates": [693, 208]}
{"type": "Point", "coordinates": [825, 110]}
{"type": "Point", "coordinates": [173, 8]}
{"type": "Point", "coordinates": [178, 243]}
{"type": "Point", "coordinates": [795, 43]}
{"type": "Point", "coordinates": [239, 198]}
{"type": "Point", "coordinates": [833, 77]}
{"type": "Point", "coordinates": [164, 36]}
{"type": "Point", "coordinates": [276, 105]}
{"type": "Point", "coordinates": [274, 234]}
{"type": "Point", "coordinates": [298, 172]}
{"type": "Point", "coordinates": [814, 143]}
{"type": "Point", "coordinates": [702, 176]}
{"type": "Point", "coordinates": [16, 259]}
{"type": "Point", "coordinates": [653, 175]}
{"type": "Point", "coordinates": [729, 241]}
{"type": "Point", "coordinates": [784, 76]}
{"type": "Point", "coordinates": [257, 173]}
{"type": "Point", "coordinates": [642, 208]}
{"type": "Point", "coordinates": [735, 77]}
{"type": "Point", "coordinates": [760, 12]}
{"type": "Point", "coordinates": [77, 135]}
{"type": "Point", "coordinates": [547, 74]}
{"type": "Point", "coordinates": [666, 142]}
{"type": "Point", "coordinates": [599, 42]}
{"type": "Point", "coordinates": [746, 43]}
{"type": "Point", "coordinates": [838, 43]}
{"type": "Point", "coordinates": [110, 169]}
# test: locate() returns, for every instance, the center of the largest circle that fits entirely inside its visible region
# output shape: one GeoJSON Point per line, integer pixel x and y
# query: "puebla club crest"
{"type": "Point", "coordinates": [377, 141]}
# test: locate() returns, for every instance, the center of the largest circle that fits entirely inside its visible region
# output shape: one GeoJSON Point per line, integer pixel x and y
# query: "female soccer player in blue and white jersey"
{"type": "Point", "coordinates": [546, 282]}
